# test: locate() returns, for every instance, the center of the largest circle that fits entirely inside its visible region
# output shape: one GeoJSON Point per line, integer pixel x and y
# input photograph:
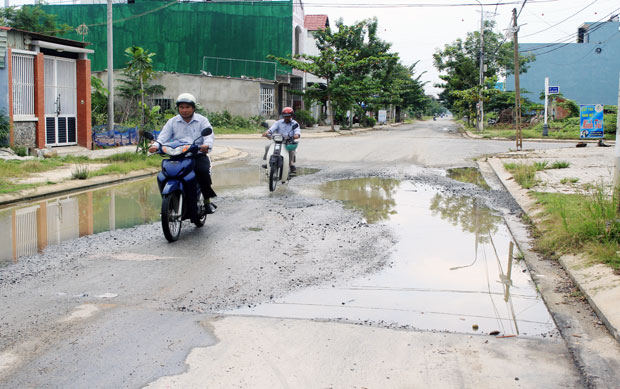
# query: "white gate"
{"type": "Point", "coordinates": [60, 102]}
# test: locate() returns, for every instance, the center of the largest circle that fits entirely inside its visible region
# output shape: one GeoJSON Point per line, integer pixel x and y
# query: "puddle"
{"type": "Point", "coordinates": [373, 196]}
{"type": "Point", "coordinates": [470, 175]}
{"type": "Point", "coordinates": [28, 229]}
{"type": "Point", "coordinates": [450, 269]}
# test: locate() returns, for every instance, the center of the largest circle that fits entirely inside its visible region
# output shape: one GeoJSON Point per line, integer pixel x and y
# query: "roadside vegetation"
{"type": "Point", "coordinates": [573, 223]}
{"type": "Point", "coordinates": [577, 223]}
{"type": "Point", "coordinates": [13, 171]}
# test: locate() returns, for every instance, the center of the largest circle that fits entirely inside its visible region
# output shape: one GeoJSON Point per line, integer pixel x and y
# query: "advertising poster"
{"type": "Point", "coordinates": [591, 121]}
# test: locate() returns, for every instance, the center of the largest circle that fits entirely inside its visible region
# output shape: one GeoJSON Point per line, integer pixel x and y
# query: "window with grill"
{"type": "Point", "coordinates": [22, 68]}
{"type": "Point", "coordinates": [266, 101]}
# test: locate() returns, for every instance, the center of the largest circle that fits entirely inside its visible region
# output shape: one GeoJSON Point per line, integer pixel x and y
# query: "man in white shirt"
{"type": "Point", "coordinates": [186, 127]}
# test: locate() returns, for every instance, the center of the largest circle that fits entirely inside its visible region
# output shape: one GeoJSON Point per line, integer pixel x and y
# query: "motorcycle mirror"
{"type": "Point", "coordinates": [264, 124]}
{"type": "Point", "coordinates": [206, 131]}
{"type": "Point", "coordinates": [148, 135]}
{"type": "Point", "coordinates": [295, 126]}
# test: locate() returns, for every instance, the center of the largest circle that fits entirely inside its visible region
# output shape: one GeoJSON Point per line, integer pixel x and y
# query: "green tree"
{"type": "Point", "coordinates": [459, 63]}
{"type": "Point", "coordinates": [353, 61]}
{"type": "Point", "coordinates": [135, 84]}
{"type": "Point", "coordinates": [32, 18]}
{"type": "Point", "coordinates": [99, 101]}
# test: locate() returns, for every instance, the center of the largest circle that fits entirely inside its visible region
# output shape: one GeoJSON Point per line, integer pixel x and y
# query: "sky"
{"type": "Point", "coordinates": [416, 30]}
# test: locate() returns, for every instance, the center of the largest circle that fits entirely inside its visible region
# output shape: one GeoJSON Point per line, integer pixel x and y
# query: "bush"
{"type": "Point", "coordinates": [5, 127]}
{"type": "Point", "coordinates": [304, 118]}
{"type": "Point", "coordinates": [20, 151]}
{"type": "Point", "coordinates": [368, 122]}
{"type": "Point", "coordinates": [571, 106]}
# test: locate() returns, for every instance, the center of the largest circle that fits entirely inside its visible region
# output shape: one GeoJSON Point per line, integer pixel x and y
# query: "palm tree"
{"type": "Point", "coordinates": [140, 63]}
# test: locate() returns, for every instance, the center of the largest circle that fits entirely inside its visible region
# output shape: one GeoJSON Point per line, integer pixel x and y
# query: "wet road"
{"type": "Point", "coordinates": [373, 271]}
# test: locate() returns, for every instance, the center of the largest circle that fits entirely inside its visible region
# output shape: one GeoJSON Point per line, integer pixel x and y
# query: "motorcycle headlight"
{"type": "Point", "coordinates": [175, 150]}
{"type": "Point", "coordinates": [277, 137]}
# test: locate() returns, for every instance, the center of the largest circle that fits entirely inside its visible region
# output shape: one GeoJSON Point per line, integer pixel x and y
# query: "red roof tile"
{"type": "Point", "coordinates": [316, 22]}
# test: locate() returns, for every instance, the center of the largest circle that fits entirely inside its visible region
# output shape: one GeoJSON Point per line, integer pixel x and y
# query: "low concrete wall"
{"type": "Point", "coordinates": [216, 94]}
{"type": "Point", "coordinates": [24, 133]}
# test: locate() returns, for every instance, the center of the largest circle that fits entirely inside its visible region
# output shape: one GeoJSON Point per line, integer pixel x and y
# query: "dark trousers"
{"type": "Point", "coordinates": [203, 174]}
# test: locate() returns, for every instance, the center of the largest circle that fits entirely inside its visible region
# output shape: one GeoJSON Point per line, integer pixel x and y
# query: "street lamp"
{"type": "Point", "coordinates": [480, 103]}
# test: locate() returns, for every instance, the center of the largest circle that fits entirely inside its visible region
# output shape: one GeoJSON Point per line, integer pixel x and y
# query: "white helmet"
{"type": "Point", "coordinates": [186, 98]}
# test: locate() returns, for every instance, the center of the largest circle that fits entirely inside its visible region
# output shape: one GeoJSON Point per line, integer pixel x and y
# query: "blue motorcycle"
{"type": "Point", "coordinates": [180, 192]}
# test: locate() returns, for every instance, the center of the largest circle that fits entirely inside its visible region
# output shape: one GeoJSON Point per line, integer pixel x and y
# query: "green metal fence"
{"type": "Point", "coordinates": [181, 34]}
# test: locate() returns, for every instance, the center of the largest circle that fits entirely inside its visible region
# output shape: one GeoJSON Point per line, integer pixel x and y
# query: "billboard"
{"type": "Point", "coordinates": [591, 121]}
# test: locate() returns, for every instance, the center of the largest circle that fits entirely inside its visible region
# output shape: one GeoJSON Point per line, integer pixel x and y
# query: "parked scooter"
{"type": "Point", "coordinates": [180, 192]}
{"type": "Point", "coordinates": [278, 166]}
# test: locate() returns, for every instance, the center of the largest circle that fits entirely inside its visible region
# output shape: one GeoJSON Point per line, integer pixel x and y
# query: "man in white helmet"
{"type": "Point", "coordinates": [186, 127]}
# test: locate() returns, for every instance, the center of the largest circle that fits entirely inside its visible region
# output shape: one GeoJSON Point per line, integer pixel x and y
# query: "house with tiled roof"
{"type": "Point", "coordinates": [312, 24]}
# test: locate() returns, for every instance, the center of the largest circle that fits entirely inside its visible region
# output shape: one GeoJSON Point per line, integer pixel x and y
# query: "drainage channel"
{"type": "Point", "coordinates": [29, 228]}
{"type": "Point", "coordinates": [454, 268]}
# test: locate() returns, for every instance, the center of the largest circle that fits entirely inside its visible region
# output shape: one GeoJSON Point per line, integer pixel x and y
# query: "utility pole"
{"type": "Point", "coordinates": [480, 102]}
{"type": "Point", "coordinates": [546, 125]}
{"type": "Point", "coordinates": [110, 70]}
{"type": "Point", "coordinates": [519, 135]}
{"type": "Point", "coordinates": [617, 155]}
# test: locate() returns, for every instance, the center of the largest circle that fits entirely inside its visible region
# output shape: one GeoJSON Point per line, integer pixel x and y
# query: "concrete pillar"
{"type": "Point", "coordinates": [84, 114]}
{"type": "Point", "coordinates": [9, 66]}
{"type": "Point", "coordinates": [39, 99]}
{"type": "Point", "coordinates": [42, 226]}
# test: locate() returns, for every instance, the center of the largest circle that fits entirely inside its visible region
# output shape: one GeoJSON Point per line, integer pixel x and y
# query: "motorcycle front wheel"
{"type": "Point", "coordinates": [274, 176]}
{"type": "Point", "coordinates": [171, 216]}
{"type": "Point", "coordinates": [201, 216]}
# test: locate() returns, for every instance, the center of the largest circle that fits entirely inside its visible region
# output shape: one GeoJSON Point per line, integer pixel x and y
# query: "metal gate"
{"type": "Point", "coordinates": [60, 102]}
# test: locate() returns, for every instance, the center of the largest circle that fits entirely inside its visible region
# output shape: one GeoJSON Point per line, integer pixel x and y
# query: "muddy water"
{"type": "Point", "coordinates": [29, 228]}
{"type": "Point", "coordinates": [450, 269]}
{"type": "Point", "coordinates": [470, 175]}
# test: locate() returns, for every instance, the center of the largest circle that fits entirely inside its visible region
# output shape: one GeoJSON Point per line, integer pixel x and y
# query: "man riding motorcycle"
{"type": "Point", "coordinates": [287, 127]}
{"type": "Point", "coordinates": [185, 127]}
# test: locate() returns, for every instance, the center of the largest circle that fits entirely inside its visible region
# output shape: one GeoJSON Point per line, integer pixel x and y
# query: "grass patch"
{"type": "Point", "coordinates": [524, 175]}
{"type": "Point", "coordinates": [541, 165]}
{"type": "Point", "coordinates": [80, 172]}
{"type": "Point", "coordinates": [569, 180]}
{"type": "Point", "coordinates": [560, 165]}
{"type": "Point", "coordinates": [580, 222]}
{"type": "Point", "coordinates": [126, 163]}
{"type": "Point", "coordinates": [240, 130]}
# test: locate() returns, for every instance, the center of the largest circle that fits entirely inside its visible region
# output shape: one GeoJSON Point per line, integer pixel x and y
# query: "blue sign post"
{"type": "Point", "coordinates": [591, 121]}
{"type": "Point", "coordinates": [554, 90]}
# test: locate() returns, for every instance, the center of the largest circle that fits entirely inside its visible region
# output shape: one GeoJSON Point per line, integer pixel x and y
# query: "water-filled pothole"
{"type": "Point", "coordinates": [29, 228]}
{"type": "Point", "coordinates": [470, 175]}
{"type": "Point", "coordinates": [450, 270]}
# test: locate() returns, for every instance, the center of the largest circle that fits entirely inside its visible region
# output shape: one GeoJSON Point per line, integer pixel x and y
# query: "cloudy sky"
{"type": "Point", "coordinates": [416, 28]}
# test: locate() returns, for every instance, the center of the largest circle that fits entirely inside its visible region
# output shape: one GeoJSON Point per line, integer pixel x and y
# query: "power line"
{"type": "Point", "coordinates": [562, 21]}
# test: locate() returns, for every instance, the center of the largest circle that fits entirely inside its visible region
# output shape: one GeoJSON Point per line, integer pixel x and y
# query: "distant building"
{"type": "Point", "coordinates": [586, 71]}
{"type": "Point", "coordinates": [45, 89]}
{"type": "Point", "coordinates": [217, 50]}
{"type": "Point", "coordinates": [312, 24]}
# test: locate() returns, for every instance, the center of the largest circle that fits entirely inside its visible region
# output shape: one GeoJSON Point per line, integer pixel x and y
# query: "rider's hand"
{"type": "Point", "coordinates": [266, 134]}
{"type": "Point", "coordinates": [153, 148]}
{"type": "Point", "coordinates": [204, 148]}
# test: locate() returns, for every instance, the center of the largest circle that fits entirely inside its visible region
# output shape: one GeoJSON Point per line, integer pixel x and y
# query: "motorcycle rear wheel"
{"type": "Point", "coordinates": [171, 216]}
{"type": "Point", "coordinates": [274, 177]}
{"type": "Point", "coordinates": [201, 217]}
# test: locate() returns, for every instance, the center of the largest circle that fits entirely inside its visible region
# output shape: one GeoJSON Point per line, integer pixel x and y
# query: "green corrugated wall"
{"type": "Point", "coordinates": [182, 33]}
